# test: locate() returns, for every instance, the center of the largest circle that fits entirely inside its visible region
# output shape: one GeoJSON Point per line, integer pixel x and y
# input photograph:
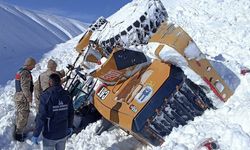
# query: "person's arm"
{"type": "Point", "coordinates": [64, 79]}
{"type": "Point", "coordinates": [25, 85]}
{"type": "Point", "coordinates": [37, 89]}
{"type": "Point", "coordinates": [62, 74]}
{"type": "Point", "coordinates": [41, 116]}
{"type": "Point", "coordinates": [71, 113]}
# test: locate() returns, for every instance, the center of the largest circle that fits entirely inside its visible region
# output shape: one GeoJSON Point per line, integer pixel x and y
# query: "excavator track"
{"type": "Point", "coordinates": [183, 105]}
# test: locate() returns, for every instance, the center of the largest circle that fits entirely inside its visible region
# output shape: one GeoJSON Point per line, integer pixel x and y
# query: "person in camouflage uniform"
{"type": "Point", "coordinates": [42, 82]}
{"type": "Point", "coordinates": [23, 97]}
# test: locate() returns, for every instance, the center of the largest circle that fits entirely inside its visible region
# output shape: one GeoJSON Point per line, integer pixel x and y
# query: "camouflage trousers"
{"type": "Point", "coordinates": [37, 102]}
{"type": "Point", "coordinates": [37, 94]}
{"type": "Point", "coordinates": [22, 115]}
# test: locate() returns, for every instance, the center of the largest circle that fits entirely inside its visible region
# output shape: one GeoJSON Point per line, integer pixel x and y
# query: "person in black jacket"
{"type": "Point", "coordinates": [55, 115]}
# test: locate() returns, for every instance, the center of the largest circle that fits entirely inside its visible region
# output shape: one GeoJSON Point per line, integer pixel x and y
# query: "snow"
{"type": "Point", "coordinates": [219, 27]}
{"type": "Point", "coordinates": [132, 14]}
{"type": "Point", "coordinates": [120, 23]}
{"type": "Point", "coordinates": [193, 52]}
{"type": "Point", "coordinates": [168, 54]}
{"type": "Point", "coordinates": [26, 33]}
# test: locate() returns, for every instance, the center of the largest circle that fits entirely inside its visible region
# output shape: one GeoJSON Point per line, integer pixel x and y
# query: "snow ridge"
{"type": "Point", "coordinates": [24, 33]}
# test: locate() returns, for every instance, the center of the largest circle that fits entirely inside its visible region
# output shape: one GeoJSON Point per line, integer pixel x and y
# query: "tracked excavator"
{"type": "Point", "coordinates": [146, 97]}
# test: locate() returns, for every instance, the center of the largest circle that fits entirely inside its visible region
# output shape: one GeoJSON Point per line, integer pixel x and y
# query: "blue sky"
{"type": "Point", "coordinates": [84, 10]}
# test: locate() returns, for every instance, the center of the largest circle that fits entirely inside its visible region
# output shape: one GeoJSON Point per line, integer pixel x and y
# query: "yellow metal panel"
{"type": "Point", "coordinates": [120, 112]}
{"type": "Point", "coordinates": [84, 42]}
{"type": "Point", "coordinates": [178, 39]}
{"type": "Point", "coordinates": [158, 50]}
{"type": "Point", "coordinates": [92, 58]}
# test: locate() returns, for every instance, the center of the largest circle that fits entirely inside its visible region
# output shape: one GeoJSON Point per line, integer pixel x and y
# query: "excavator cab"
{"type": "Point", "coordinates": [80, 89]}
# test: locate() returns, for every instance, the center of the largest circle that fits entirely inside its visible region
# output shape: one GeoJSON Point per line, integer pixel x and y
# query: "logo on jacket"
{"type": "Point", "coordinates": [144, 95]}
{"type": "Point", "coordinates": [60, 103]}
{"type": "Point", "coordinates": [60, 106]}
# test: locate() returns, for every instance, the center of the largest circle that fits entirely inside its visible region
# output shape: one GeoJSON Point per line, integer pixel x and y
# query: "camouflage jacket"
{"type": "Point", "coordinates": [24, 85]}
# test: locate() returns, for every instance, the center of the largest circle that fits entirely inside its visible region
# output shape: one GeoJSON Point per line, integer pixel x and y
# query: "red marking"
{"type": "Point", "coordinates": [211, 145]}
{"type": "Point", "coordinates": [99, 62]}
{"type": "Point", "coordinates": [208, 145]}
{"type": "Point", "coordinates": [213, 89]}
{"type": "Point", "coordinates": [198, 63]}
{"type": "Point", "coordinates": [111, 75]}
{"type": "Point", "coordinates": [18, 76]}
{"type": "Point", "coordinates": [100, 87]}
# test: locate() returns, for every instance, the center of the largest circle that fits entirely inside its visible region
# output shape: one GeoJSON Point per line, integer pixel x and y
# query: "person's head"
{"type": "Point", "coordinates": [52, 65]}
{"type": "Point", "coordinates": [29, 63]}
{"type": "Point", "coordinates": [54, 79]}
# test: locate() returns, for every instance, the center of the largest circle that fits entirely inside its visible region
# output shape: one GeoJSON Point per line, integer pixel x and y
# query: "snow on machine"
{"type": "Point", "coordinates": [145, 97]}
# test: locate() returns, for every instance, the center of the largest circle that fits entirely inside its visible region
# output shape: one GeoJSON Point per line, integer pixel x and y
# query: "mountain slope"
{"type": "Point", "coordinates": [25, 33]}
{"type": "Point", "coordinates": [214, 27]}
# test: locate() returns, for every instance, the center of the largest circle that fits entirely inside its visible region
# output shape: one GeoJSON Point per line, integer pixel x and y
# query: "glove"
{"type": "Point", "coordinates": [70, 67]}
{"type": "Point", "coordinates": [68, 77]}
{"type": "Point", "coordinates": [34, 140]}
{"type": "Point", "coordinates": [70, 131]}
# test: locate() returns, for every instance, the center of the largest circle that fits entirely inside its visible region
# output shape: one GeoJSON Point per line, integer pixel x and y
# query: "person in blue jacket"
{"type": "Point", "coordinates": [55, 116]}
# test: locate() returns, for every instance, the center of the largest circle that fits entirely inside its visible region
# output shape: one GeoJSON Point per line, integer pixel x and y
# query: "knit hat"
{"type": "Point", "coordinates": [51, 64]}
{"type": "Point", "coordinates": [30, 62]}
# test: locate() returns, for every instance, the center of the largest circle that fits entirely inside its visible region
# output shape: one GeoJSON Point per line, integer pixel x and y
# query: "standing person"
{"type": "Point", "coordinates": [42, 82]}
{"type": "Point", "coordinates": [55, 115]}
{"type": "Point", "coordinates": [23, 97]}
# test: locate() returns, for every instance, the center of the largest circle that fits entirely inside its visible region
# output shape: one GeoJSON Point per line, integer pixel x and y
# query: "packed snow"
{"type": "Point", "coordinates": [26, 33]}
{"type": "Point", "coordinates": [193, 52]}
{"type": "Point", "coordinates": [219, 27]}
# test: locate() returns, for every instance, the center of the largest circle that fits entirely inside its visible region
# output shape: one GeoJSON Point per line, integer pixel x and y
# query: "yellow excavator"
{"type": "Point", "coordinates": [145, 97]}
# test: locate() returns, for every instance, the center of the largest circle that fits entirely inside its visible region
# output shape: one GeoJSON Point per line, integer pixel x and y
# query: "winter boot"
{"type": "Point", "coordinates": [19, 137]}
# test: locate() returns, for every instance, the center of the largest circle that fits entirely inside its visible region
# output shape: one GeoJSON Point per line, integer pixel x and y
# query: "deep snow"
{"type": "Point", "coordinates": [217, 27]}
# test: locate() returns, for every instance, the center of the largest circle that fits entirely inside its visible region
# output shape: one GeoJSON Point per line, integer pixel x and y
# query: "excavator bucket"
{"type": "Point", "coordinates": [176, 38]}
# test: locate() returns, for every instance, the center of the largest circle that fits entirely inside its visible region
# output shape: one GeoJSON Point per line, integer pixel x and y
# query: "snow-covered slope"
{"type": "Point", "coordinates": [218, 27]}
{"type": "Point", "coordinates": [25, 33]}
